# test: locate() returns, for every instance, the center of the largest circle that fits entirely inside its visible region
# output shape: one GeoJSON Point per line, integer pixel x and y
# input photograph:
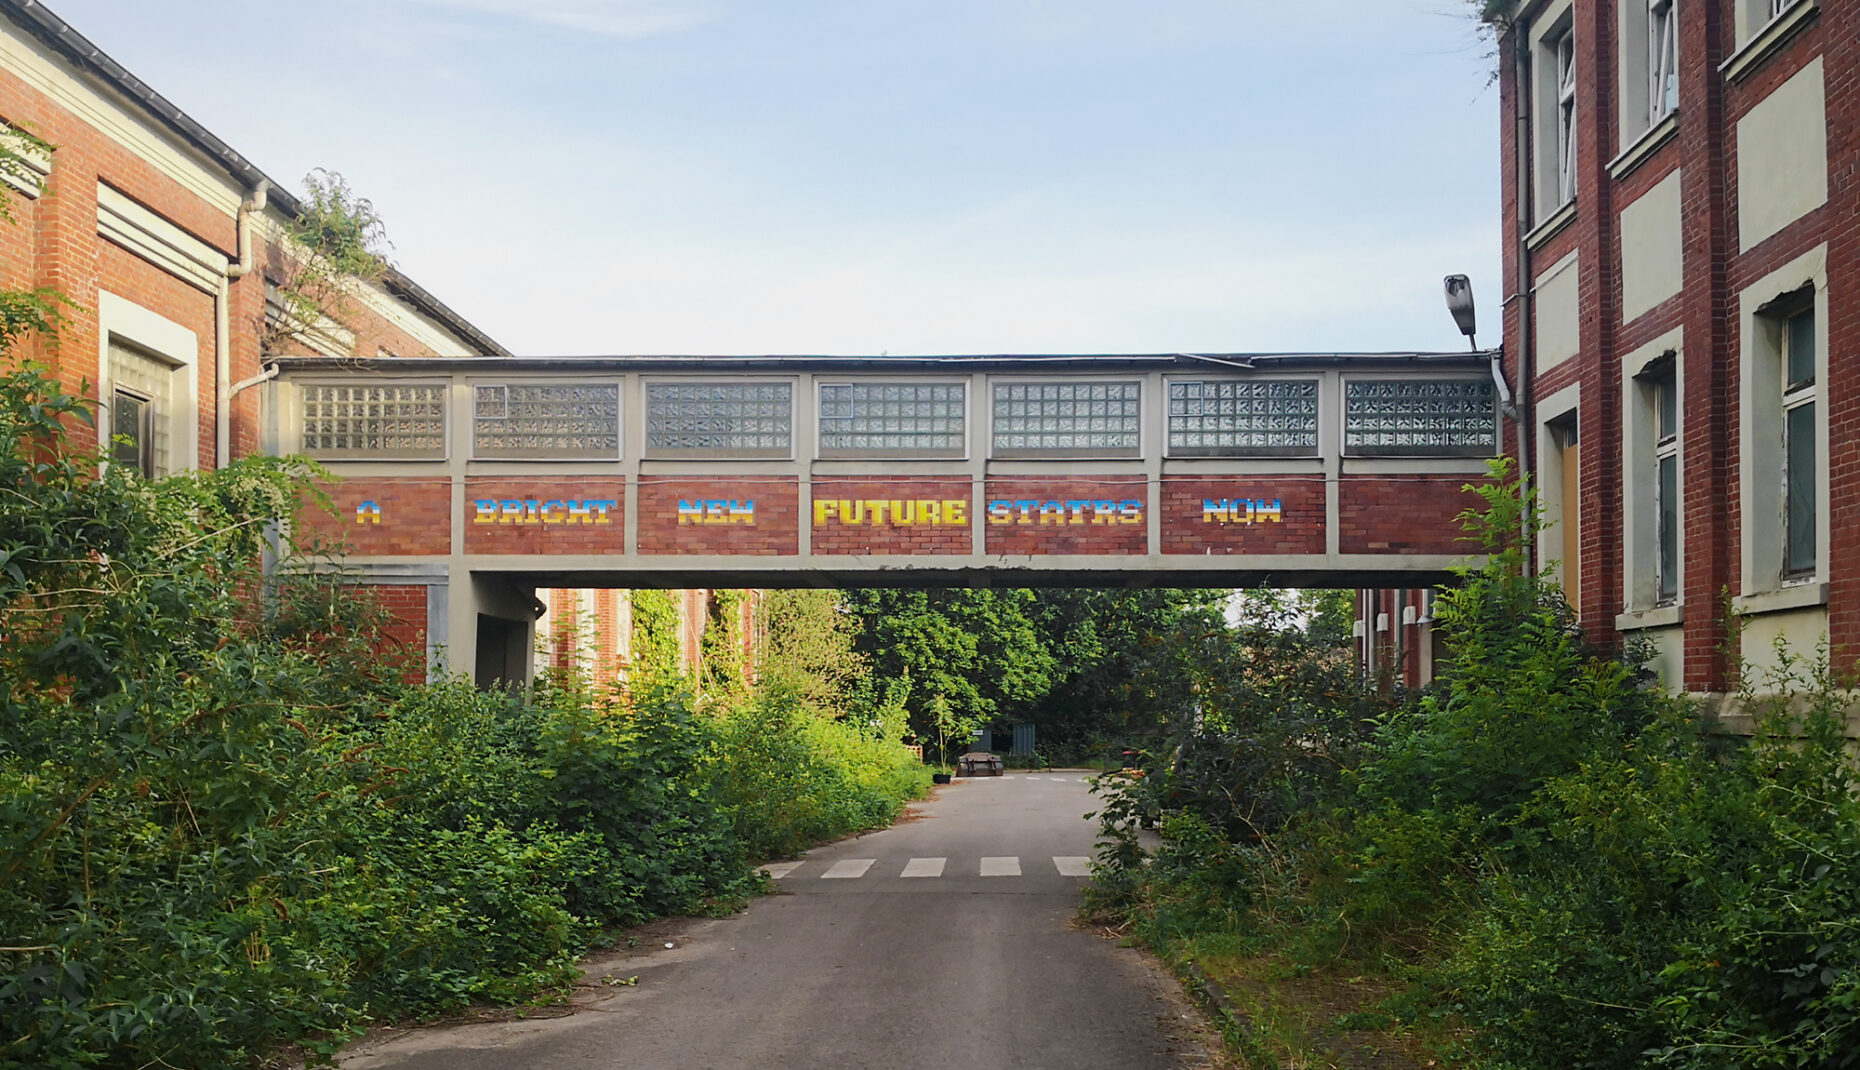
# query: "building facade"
{"type": "Point", "coordinates": [171, 247]}
{"type": "Point", "coordinates": [1681, 238]}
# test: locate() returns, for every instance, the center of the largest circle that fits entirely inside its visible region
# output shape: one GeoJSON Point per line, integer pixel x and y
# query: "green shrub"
{"type": "Point", "coordinates": [1683, 906]}
{"type": "Point", "coordinates": [1546, 846]}
{"type": "Point", "coordinates": [793, 778]}
{"type": "Point", "coordinates": [226, 823]}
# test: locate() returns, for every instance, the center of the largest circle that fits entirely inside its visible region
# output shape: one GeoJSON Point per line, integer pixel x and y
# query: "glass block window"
{"type": "Point", "coordinates": [720, 419]}
{"type": "Point", "coordinates": [546, 421]}
{"type": "Point", "coordinates": [1420, 416]}
{"type": "Point", "coordinates": [144, 409]}
{"type": "Point", "coordinates": [375, 422]}
{"type": "Point", "coordinates": [1087, 419]}
{"type": "Point", "coordinates": [891, 419]}
{"type": "Point", "coordinates": [1225, 417]}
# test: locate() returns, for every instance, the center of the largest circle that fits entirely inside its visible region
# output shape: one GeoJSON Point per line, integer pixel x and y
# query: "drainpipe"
{"type": "Point", "coordinates": [1522, 144]}
{"type": "Point", "coordinates": [222, 325]}
{"type": "Point", "coordinates": [265, 376]}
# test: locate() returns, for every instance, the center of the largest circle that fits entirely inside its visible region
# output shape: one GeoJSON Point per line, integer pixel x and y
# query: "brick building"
{"type": "Point", "coordinates": [173, 247]}
{"type": "Point", "coordinates": [1681, 231]}
{"type": "Point", "coordinates": [169, 242]}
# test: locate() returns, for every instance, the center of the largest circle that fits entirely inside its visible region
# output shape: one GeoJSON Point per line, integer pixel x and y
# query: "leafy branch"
{"type": "Point", "coordinates": [336, 242]}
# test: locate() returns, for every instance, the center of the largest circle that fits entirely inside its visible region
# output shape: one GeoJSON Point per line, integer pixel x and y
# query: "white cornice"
{"type": "Point", "coordinates": [36, 162]}
{"type": "Point", "coordinates": [107, 112]}
{"type": "Point", "coordinates": [158, 241]}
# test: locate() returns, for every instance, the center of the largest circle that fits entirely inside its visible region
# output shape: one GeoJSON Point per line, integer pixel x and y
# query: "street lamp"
{"type": "Point", "coordinates": [1460, 303]}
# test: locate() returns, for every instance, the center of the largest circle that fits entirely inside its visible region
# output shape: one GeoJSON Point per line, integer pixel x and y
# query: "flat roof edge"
{"type": "Point", "coordinates": [1241, 361]}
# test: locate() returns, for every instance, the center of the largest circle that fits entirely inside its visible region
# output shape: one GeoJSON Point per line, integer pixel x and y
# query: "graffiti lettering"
{"type": "Point", "coordinates": [535, 511]}
{"type": "Point", "coordinates": [897, 513]}
{"type": "Point", "coordinates": [369, 512]}
{"type": "Point", "coordinates": [1241, 511]}
{"type": "Point", "coordinates": [718, 511]}
{"type": "Point", "coordinates": [1077, 511]}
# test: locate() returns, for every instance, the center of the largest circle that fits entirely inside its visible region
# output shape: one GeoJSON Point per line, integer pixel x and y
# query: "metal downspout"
{"type": "Point", "coordinates": [1521, 178]}
{"type": "Point", "coordinates": [222, 325]}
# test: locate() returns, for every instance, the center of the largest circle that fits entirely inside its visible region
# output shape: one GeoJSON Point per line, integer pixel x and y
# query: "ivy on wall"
{"type": "Point", "coordinates": [655, 636]}
{"type": "Point", "coordinates": [723, 646]}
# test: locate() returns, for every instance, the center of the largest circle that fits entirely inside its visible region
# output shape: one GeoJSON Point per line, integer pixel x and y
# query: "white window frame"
{"type": "Point", "coordinates": [1643, 374]}
{"type": "Point", "coordinates": [1322, 411]}
{"type": "Point", "coordinates": [1566, 117]}
{"type": "Point", "coordinates": [620, 428]}
{"type": "Point", "coordinates": [127, 323]}
{"type": "Point", "coordinates": [1140, 451]}
{"type": "Point", "coordinates": [1762, 462]}
{"type": "Point", "coordinates": [1797, 394]}
{"type": "Point", "coordinates": [1752, 18]}
{"type": "Point", "coordinates": [1666, 449]}
{"type": "Point", "coordinates": [145, 434]}
{"type": "Point", "coordinates": [448, 425]}
{"type": "Point", "coordinates": [795, 415]}
{"type": "Point", "coordinates": [1662, 58]}
{"type": "Point", "coordinates": [1552, 145]}
{"type": "Point", "coordinates": [968, 420]}
{"type": "Point", "coordinates": [1554, 413]}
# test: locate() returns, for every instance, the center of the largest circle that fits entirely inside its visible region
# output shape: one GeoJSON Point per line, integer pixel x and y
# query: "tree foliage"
{"type": "Point", "coordinates": [336, 243]}
{"type": "Point", "coordinates": [227, 823]}
{"type": "Point", "coordinates": [809, 643]}
{"type": "Point", "coordinates": [1084, 666]}
{"type": "Point", "coordinates": [1542, 844]}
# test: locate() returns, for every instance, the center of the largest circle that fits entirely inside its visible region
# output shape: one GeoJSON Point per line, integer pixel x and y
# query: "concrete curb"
{"type": "Point", "coordinates": [1211, 990]}
{"type": "Point", "coordinates": [1238, 1026]}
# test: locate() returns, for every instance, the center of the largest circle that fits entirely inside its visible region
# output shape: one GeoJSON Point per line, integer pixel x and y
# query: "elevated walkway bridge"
{"type": "Point", "coordinates": [463, 485]}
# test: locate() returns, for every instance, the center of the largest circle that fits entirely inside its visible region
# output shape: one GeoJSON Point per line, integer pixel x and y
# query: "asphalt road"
{"type": "Point", "coordinates": [947, 941]}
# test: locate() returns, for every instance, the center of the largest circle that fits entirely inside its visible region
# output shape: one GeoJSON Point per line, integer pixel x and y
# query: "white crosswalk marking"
{"type": "Point", "coordinates": [848, 869]}
{"type": "Point", "coordinates": [1072, 865]}
{"type": "Point", "coordinates": [924, 867]}
{"type": "Point", "coordinates": [778, 870]}
{"type": "Point", "coordinates": [1001, 867]}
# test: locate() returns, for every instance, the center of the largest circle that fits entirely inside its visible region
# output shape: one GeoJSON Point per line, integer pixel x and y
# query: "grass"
{"type": "Point", "coordinates": [1295, 1016]}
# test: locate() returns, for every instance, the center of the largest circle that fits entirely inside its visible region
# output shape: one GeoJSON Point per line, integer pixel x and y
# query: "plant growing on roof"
{"type": "Point", "coordinates": [336, 244]}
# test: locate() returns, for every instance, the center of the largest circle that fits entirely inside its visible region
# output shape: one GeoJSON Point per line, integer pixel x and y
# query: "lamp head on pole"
{"type": "Point", "coordinates": [1460, 303]}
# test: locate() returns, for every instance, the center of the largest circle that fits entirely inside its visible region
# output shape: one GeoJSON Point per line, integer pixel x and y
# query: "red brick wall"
{"type": "Point", "coordinates": [1396, 514]}
{"type": "Point", "coordinates": [1067, 516]}
{"type": "Point", "coordinates": [535, 516]}
{"type": "Point", "coordinates": [1716, 270]}
{"type": "Point", "coordinates": [844, 525]}
{"type": "Point", "coordinates": [1187, 529]}
{"type": "Point", "coordinates": [55, 243]}
{"type": "Point", "coordinates": [415, 517]}
{"type": "Point", "coordinates": [775, 531]}
{"type": "Point", "coordinates": [406, 630]}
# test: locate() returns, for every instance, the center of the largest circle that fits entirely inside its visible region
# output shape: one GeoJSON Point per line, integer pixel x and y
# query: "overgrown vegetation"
{"type": "Point", "coordinates": [1543, 862]}
{"type": "Point", "coordinates": [336, 243]}
{"type": "Point", "coordinates": [1093, 670]}
{"type": "Point", "coordinates": [227, 823]}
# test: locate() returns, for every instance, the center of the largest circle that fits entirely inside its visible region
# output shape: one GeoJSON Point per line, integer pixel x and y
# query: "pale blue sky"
{"type": "Point", "coordinates": [863, 176]}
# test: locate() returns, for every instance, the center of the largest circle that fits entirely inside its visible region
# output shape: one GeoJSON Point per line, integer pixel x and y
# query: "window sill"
{"type": "Point", "coordinates": [1657, 617]}
{"type": "Point", "coordinates": [1768, 40]}
{"type": "Point", "coordinates": [1644, 146]}
{"type": "Point", "coordinates": [1799, 596]}
{"type": "Point", "coordinates": [1549, 228]}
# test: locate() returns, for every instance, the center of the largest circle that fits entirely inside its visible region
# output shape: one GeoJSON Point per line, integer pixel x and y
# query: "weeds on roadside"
{"type": "Point", "coordinates": [1543, 847]}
